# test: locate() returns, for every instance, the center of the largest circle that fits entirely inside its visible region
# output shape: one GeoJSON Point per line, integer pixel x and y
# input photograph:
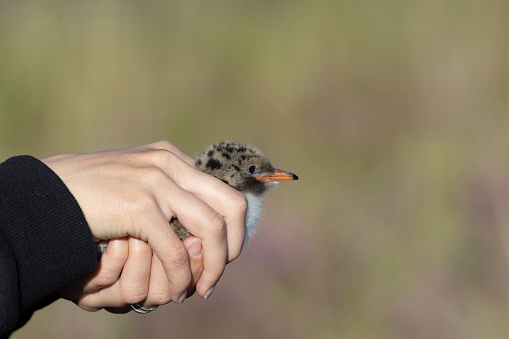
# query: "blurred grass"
{"type": "Point", "coordinates": [394, 114]}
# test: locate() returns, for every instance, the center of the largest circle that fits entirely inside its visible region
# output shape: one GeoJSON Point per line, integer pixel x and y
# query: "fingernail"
{"type": "Point", "coordinates": [182, 297]}
{"type": "Point", "coordinates": [209, 292]}
{"type": "Point", "coordinates": [195, 250]}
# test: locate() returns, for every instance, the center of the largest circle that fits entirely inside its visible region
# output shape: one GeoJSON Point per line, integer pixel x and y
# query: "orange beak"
{"type": "Point", "coordinates": [278, 175]}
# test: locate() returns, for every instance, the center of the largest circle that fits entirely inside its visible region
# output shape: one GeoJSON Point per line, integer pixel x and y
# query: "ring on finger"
{"type": "Point", "coordinates": [142, 310]}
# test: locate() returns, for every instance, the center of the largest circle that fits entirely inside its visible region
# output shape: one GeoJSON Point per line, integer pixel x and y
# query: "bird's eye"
{"type": "Point", "coordinates": [252, 169]}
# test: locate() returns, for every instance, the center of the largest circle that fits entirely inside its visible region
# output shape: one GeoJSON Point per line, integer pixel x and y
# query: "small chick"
{"type": "Point", "coordinates": [244, 168]}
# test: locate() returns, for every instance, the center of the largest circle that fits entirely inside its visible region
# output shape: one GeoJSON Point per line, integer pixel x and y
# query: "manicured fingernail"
{"type": "Point", "coordinates": [195, 250]}
{"type": "Point", "coordinates": [182, 297]}
{"type": "Point", "coordinates": [209, 292]}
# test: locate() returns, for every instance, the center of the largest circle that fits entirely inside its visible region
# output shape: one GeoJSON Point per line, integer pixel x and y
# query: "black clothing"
{"type": "Point", "coordinates": [45, 242]}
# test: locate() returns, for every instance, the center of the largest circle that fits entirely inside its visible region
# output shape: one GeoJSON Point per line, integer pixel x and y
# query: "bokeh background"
{"type": "Point", "coordinates": [395, 115]}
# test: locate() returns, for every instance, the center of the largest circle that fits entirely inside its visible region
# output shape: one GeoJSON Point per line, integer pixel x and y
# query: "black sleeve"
{"type": "Point", "coordinates": [45, 242]}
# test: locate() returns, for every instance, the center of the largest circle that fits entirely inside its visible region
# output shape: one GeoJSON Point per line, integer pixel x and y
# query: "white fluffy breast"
{"type": "Point", "coordinates": [254, 212]}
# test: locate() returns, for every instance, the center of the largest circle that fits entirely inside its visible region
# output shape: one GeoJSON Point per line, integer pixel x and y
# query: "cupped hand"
{"type": "Point", "coordinates": [135, 192]}
{"type": "Point", "coordinates": [128, 274]}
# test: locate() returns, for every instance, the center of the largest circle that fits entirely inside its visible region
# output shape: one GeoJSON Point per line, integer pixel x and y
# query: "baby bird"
{"type": "Point", "coordinates": [244, 168]}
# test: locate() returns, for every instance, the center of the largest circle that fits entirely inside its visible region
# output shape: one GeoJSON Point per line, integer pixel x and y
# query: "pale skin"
{"type": "Point", "coordinates": [128, 273]}
{"type": "Point", "coordinates": [130, 195]}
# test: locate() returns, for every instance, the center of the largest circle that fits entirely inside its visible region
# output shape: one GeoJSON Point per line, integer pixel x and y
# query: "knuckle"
{"type": "Point", "coordinates": [234, 254]}
{"type": "Point", "coordinates": [88, 306]}
{"type": "Point", "coordinates": [217, 225]}
{"type": "Point", "coordinates": [106, 279]}
{"type": "Point", "coordinates": [134, 294]}
{"type": "Point", "coordinates": [160, 298]}
{"type": "Point", "coordinates": [161, 157]}
{"type": "Point", "coordinates": [211, 276]}
{"type": "Point", "coordinates": [162, 144]}
{"type": "Point", "coordinates": [239, 202]}
{"type": "Point", "coordinates": [143, 207]}
{"type": "Point", "coordinates": [115, 257]}
{"type": "Point", "coordinates": [179, 257]}
{"type": "Point", "coordinates": [154, 175]}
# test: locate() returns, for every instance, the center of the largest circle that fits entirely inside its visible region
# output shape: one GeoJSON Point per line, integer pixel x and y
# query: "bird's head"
{"type": "Point", "coordinates": [243, 167]}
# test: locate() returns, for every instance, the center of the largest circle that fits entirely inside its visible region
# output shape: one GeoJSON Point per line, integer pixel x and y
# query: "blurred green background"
{"type": "Point", "coordinates": [393, 113]}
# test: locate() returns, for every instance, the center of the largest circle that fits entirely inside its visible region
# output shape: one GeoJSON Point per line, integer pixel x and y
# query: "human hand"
{"type": "Point", "coordinates": [136, 192]}
{"type": "Point", "coordinates": [128, 274]}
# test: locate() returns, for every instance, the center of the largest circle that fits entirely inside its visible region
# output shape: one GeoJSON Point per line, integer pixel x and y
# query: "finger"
{"type": "Point", "coordinates": [109, 267]}
{"type": "Point", "coordinates": [159, 288]}
{"type": "Point", "coordinates": [206, 224]}
{"type": "Point", "coordinates": [154, 228]}
{"type": "Point", "coordinates": [109, 297]}
{"type": "Point", "coordinates": [134, 281]}
{"type": "Point", "coordinates": [159, 284]}
{"type": "Point", "coordinates": [107, 272]}
{"type": "Point", "coordinates": [225, 200]}
{"type": "Point", "coordinates": [232, 205]}
{"type": "Point", "coordinates": [113, 299]}
{"type": "Point", "coordinates": [195, 250]}
{"type": "Point", "coordinates": [130, 288]}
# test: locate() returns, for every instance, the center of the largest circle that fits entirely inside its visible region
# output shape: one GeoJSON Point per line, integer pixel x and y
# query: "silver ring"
{"type": "Point", "coordinates": [142, 310]}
